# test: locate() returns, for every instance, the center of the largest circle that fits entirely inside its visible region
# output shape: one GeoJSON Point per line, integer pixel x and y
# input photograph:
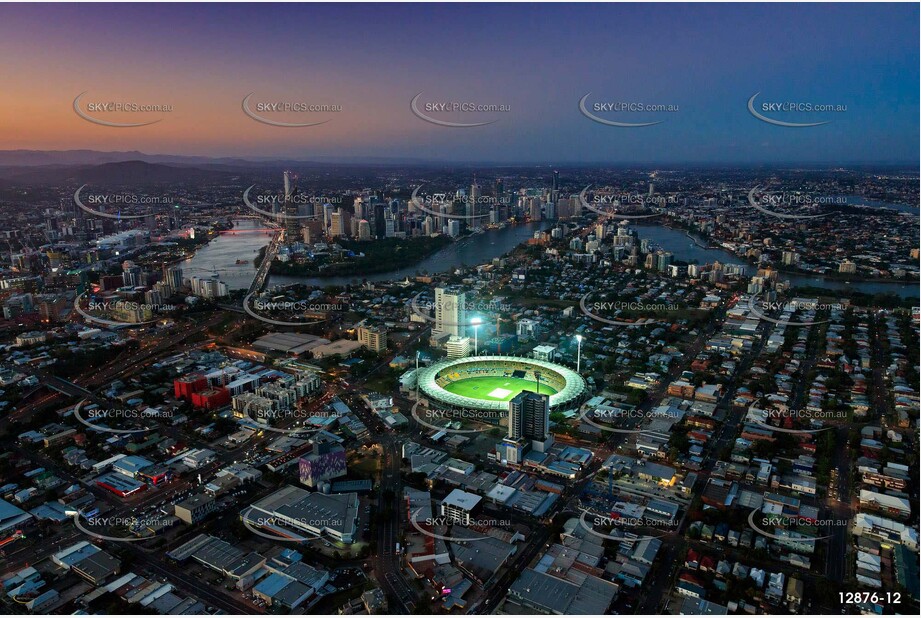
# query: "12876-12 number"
{"type": "Point", "coordinates": [853, 598]}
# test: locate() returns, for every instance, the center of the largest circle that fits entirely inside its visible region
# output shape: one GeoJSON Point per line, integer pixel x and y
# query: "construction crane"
{"type": "Point", "coordinates": [499, 319]}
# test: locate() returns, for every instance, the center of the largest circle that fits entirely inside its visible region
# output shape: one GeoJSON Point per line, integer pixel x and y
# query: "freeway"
{"type": "Point", "coordinates": [262, 273]}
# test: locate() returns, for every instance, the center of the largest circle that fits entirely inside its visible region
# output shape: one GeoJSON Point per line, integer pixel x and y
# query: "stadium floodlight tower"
{"type": "Point", "coordinates": [578, 352]}
{"type": "Point", "coordinates": [475, 322]}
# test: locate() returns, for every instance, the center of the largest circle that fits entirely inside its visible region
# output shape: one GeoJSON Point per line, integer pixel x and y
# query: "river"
{"type": "Point", "coordinates": [856, 200]}
{"type": "Point", "coordinates": [245, 240]}
{"type": "Point", "coordinates": [243, 243]}
{"type": "Point", "coordinates": [686, 250]}
{"type": "Point", "coordinates": [222, 253]}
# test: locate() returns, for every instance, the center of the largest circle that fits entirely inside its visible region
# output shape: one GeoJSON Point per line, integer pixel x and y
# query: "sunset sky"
{"type": "Point", "coordinates": [537, 59]}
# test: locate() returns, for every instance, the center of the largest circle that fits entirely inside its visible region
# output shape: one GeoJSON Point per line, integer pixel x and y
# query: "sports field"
{"type": "Point", "coordinates": [495, 388]}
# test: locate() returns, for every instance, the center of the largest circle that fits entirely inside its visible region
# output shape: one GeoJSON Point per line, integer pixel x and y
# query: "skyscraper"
{"type": "Point", "coordinates": [339, 223]}
{"type": "Point", "coordinates": [289, 209]}
{"type": "Point", "coordinates": [328, 211]}
{"type": "Point", "coordinates": [361, 209]}
{"type": "Point", "coordinates": [380, 224]}
{"type": "Point", "coordinates": [364, 230]}
{"type": "Point", "coordinates": [529, 417]}
{"type": "Point", "coordinates": [534, 209]}
{"type": "Point", "coordinates": [450, 312]}
{"type": "Point", "coordinates": [172, 276]}
{"type": "Point", "coordinates": [473, 200]}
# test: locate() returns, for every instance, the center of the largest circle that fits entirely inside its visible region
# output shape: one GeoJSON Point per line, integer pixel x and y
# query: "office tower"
{"type": "Point", "coordinates": [473, 199]}
{"type": "Point", "coordinates": [390, 225]}
{"type": "Point", "coordinates": [576, 205]}
{"type": "Point", "coordinates": [534, 209]}
{"type": "Point", "coordinates": [529, 419]}
{"type": "Point", "coordinates": [361, 210]}
{"type": "Point", "coordinates": [454, 228]}
{"type": "Point", "coordinates": [652, 189]}
{"type": "Point", "coordinates": [313, 231]}
{"type": "Point", "coordinates": [380, 225]}
{"type": "Point", "coordinates": [289, 209]}
{"type": "Point", "coordinates": [442, 219]}
{"type": "Point", "coordinates": [339, 223]}
{"type": "Point", "coordinates": [500, 188]}
{"type": "Point", "coordinates": [335, 225]}
{"type": "Point", "coordinates": [564, 208]}
{"type": "Point", "coordinates": [328, 211]}
{"type": "Point", "coordinates": [555, 187]}
{"type": "Point", "coordinates": [364, 230]}
{"type": "Point", "coordinates": [450, 312]}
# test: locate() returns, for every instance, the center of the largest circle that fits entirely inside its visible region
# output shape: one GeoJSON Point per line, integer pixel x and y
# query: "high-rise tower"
{"type": "Point", "coordinates": [289, 209]}
{"type": "Point", "coordinates": [529, 419]}
{"type": "Point", "coordinates": [450, 312]}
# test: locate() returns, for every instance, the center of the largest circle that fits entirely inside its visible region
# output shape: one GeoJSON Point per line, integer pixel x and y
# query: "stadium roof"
{"type": "Point", "coordinates": [573, 388]}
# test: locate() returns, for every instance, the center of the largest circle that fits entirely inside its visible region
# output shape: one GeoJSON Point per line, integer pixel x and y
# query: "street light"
{"type": "Point", "coordinates": [578, 352]}
{"type": "Point", "coordinates": [476, 324]}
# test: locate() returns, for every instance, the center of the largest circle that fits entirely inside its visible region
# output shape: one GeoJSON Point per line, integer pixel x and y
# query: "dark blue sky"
{"type": "Point", "coordinates": [538, 59]}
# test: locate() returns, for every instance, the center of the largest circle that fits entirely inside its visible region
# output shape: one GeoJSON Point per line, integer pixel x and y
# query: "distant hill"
{"type": "Point", "coordinates": [29, 158]}
{"type": "Point", "coordinates": [35, 158]}
{"type": "Point", "coordinates": [136, 173]}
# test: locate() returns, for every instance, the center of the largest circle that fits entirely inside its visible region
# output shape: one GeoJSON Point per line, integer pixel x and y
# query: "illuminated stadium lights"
{"type": "Point", "coordinates": [578, 353]}
{"type": "Point", "coordinates": [476, 325]}
{"type": "Point", "coordinates": [490, 382]}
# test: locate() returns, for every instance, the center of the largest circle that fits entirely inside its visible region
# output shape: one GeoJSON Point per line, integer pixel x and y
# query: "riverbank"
{"type": "Point", "coordinates": [676, 240]}
{"type": "Point", "coordinates": [367, 258]}
{"type": "Point", "coordinates": [475, 249]}
{"type": "Point", "coordinates": [706, 243]}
